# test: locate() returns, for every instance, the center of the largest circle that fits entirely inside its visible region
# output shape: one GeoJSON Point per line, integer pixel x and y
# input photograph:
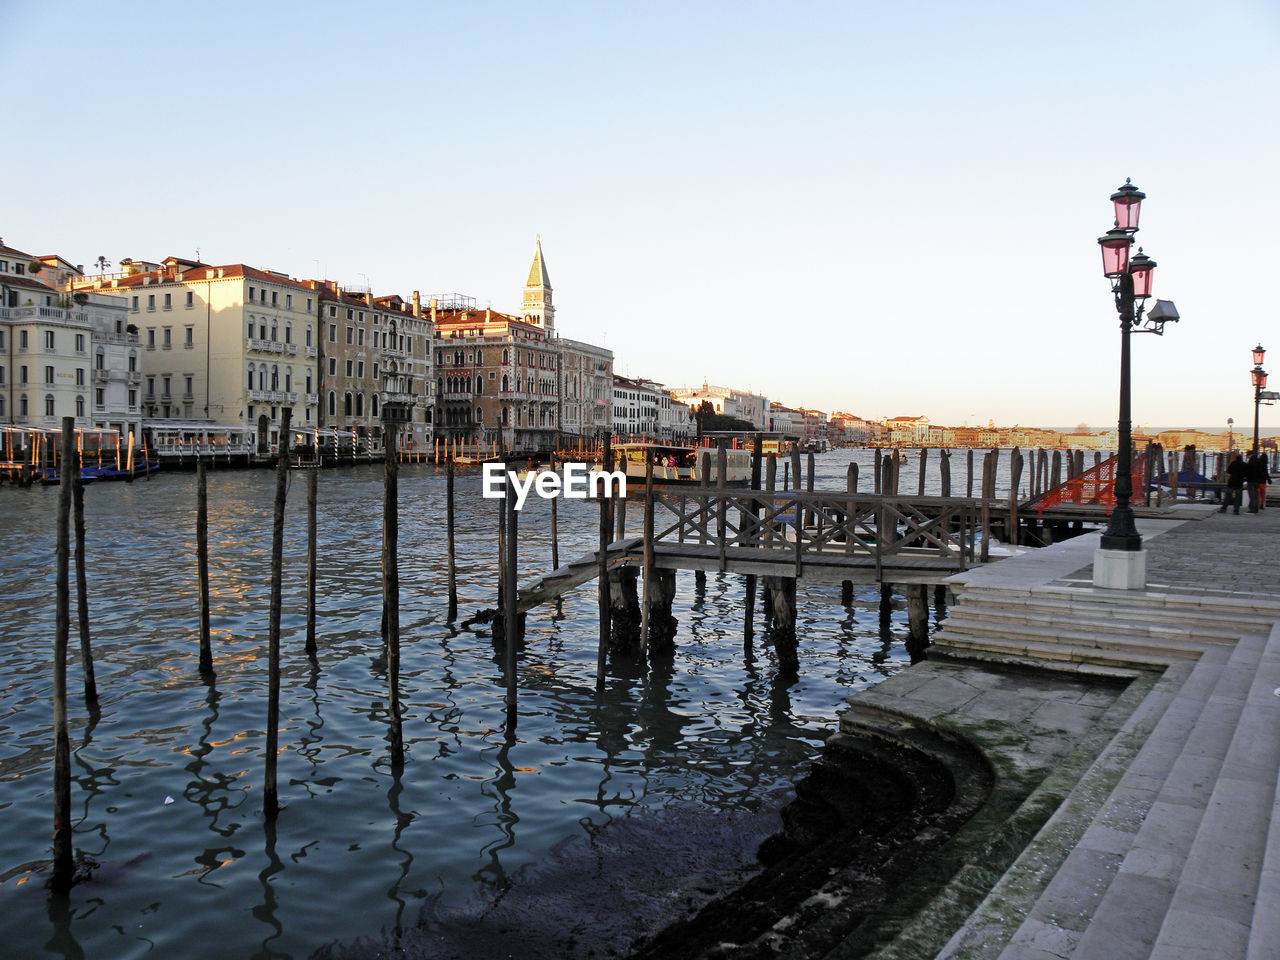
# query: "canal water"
{"type": "Point", "coordinates": [603, 815]}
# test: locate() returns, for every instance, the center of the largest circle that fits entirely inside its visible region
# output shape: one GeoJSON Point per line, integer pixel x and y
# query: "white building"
{"type": "Point", "coordinates": [728, 401]}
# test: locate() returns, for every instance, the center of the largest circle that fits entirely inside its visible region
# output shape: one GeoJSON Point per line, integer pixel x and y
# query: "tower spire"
{"type": "Point", "coordinates": [537, 304]}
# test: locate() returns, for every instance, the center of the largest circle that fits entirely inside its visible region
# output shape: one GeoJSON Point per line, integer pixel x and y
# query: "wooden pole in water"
{"type": "Point", "coordinates": [391, 580]}
{"type": "Point", "coordinates": [924, 466]}
{"type": "Point", "coordinates": [648, 555]}
{"type": "Point", "coordinates": [449, 539]}
{"type": "Point", "coordinates": [944, 471]}
{"type": "Point", "coordinates": [63, 858]}
{"type": "Point", "coordinates": [988, 468]}
{"type": "Point", "coordinates": [555, 525]}
{"type": "Point", "coordinates": [969, 487]}
{"type": "Point", "coordinates": [602, 567]}
{"type": "Point", "coordinates": [313, 482]}
{"type": "Point", "coordinates": [270, 798]}
{"type": "Point", "coordinates": [749, 603]}
{"type": "Point", "coordinates": [879, 457]}
{"type": "Point", "coordinates": [851, 488]}
{"type": "Point", "coordinates": [511, 618]}
{"type": "Point", "coordinates": [202, 565]}
{"type": "Point", "coordinates": [82, 581]}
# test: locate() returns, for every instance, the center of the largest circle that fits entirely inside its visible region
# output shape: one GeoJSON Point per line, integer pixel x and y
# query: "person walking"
{"type": "Point", "coordinates": [1264, 477]}
{"type": "Point", "coordinates": [1256, 479]}
{"type": "Point", "coordinates": [1235, 484]}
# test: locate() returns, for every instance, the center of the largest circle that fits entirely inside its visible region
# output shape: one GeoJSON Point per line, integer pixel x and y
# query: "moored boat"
{"type": "Point", "coordinates": [673, 463]}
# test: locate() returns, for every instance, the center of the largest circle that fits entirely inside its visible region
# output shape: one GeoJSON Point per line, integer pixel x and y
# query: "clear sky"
{"type": "Point", "coordinates": [886, 208]}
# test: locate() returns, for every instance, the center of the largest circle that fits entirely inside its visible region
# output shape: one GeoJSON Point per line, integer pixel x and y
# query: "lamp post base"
{"type": "Point", "coordinates": [1120, 569]}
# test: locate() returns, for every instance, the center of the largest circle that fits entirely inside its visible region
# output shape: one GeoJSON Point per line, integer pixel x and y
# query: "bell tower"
{"type": "Point", "coordinates": [537, 306]}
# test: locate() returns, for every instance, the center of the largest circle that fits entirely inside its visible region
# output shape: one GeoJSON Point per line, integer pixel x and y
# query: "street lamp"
{"type": "Point", "coordinates": [1259, 378]}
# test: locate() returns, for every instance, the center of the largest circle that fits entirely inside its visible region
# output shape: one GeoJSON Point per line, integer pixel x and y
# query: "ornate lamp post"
{"type": "Point", "coordinates": [1259, 378]}
{"type": "Point", "coordinates": [1131, 279]}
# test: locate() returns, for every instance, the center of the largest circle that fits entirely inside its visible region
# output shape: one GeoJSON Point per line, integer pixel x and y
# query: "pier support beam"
{"type": "Point", "coordinates": [662, 625]}
{"type": "Point", "coordinates": [782, 591]}
{"type": "Point", "coordinates": [624, 610]}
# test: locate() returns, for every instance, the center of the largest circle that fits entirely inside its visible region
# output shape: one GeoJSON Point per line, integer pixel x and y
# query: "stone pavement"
{"type": "Point", "coordinates": [1168, 846]}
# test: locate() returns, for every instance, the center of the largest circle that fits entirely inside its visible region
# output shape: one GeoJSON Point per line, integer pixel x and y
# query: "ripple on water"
{"type": "Point", "coordinates": [167, 789]}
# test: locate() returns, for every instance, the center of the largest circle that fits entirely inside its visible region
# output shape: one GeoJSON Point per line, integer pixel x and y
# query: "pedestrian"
{"type": "Point", "coordinates": [1264, 477]}
{"type": "Point", "coordinates": [1235, 484]}
{"type": "Point", "coordinates": [1256, 479]}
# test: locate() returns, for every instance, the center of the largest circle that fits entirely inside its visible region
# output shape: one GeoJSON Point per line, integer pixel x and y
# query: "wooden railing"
{"type": "Point", "coordinates": [807, 527]}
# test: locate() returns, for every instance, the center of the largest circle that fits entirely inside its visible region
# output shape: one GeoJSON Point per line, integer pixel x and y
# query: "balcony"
{"type": "Point", "coordinates": [133, 377]}
{"type": "Point", "coordinates": [101, 376]}
{"type": "Point", "coordinates": [313, 399]}
{"type": "Point", "coordinates": [267, 346]}
{"type": "Point", "coordinates": [268, 396]}
{"type": "Point", "coordinates": [311, 352]}
{"type": "Point", "coordinates": [290, 349]}
{"type": "Point", "coordinates": [291, 397]}
{"type": "Point", "coordinates": [405, 398]}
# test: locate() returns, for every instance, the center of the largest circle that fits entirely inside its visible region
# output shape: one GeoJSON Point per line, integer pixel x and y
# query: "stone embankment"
{"type": "Point", "coordinates": [1074, 773]}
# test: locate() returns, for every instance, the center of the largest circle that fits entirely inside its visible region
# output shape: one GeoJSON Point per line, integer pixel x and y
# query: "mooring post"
{"type": "Point", "coordinates": [512, 612]}
{"type": "Point", "coordinates": [886, 602]}
{"type": "Point", "coordinates": [620, 509]}
{"type": "Point", "coordinates": [924, 466]}
{"type": "Point", "coordinates": [648, 555]}
{"type": "Point", "coordinates": [313, 482]}
{"type": "Point", "coordinates": [449, 539]}
{"type": "Point", "coordinates": [722, 467]}
{"type": "Point", "coordinates": [918, 613]}
{"type": "Point", "coordinates": [782, 592]}
{"type": "Point", "coordinates": [271, 801]}
{"type": "Point", "coordinates": [1015, 478]}
{"type": "Point", "coordinates": [944, 471]}
{"type": "Point", "coordinates": [63, 858]}
{"type": "Point", "coordinates": [498, 628]}
{"type": "Point", "coordinates": [202, 565]}
{"type": "Point", "coordinates": [602, 567]}
{"type": "Point", "coordinates": [879, 458]}
{"type": "Point", "coordinates": [749, 601]}
{"type": "Point", "coordinates": [82, 579]}
{"type": "Point", "coordinates": [555, 526]}
{"type": "Point", "coordinates": [850, 512]}
{"type": "Point", "coordinates": [969, 487]}
{"type": "Point", "coordinates": [770, 485]}
{"type": "Point", "coordinates": [796, 482]}
{"type": "Point", "coordinates": [988, 469]}
{"type": "Point", "coordinates": [391, 579]}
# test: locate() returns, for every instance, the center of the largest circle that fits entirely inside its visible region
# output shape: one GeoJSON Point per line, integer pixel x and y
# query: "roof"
{"type": "Point", "coordinates": [230, 271]}
{"type": "Point", "coordinates": [30, 283]}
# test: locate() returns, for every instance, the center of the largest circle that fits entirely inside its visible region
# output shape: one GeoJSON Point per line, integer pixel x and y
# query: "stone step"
{"type": "Point", "coordinates": [1264, 934]}
{"type": "Point", "coordinates": [1232, 619]}
{"type": "Point", "coordinates": [1215, 898]}
{"type": "Point", "coordinates": [1117, 655]}
{"type": "Point", "coordinates": [1130, 912]}
{"type": "Point", "coordinates": [1219, 602]}
{"type": "Point", "coordinates": [1209, 629]}
{"type": "Point", "coordinates": [1170, 645]}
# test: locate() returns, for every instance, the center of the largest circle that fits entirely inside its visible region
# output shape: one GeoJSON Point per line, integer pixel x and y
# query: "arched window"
{"type": "Point", "coordinates": [288, 333]}
{"type": "Point", "coordinates": [48, 404]}
{"type": "Point", "coordinates": [359, 404]}
{"type": "Point", "coordinates": [479, 383]}
{"type": "Point", "coordinates": [506, 414]}
{"type": "Point", "coordinates": [333, 404]}
{"type": "Point", "coordinates": [346, 404]}
{"type": "Point", "coordinates": [479, 358]}
{"type": "Point", "coordinates": [275, 377]}
{"type": "Point", "coordinates": [440, 386]}
{"type": "Point", "coordinates": [251, 328]}
{"type": "Point", "coordinates": [79, 406]}
{"type": "Point", "coordinates": [373, 404]}
{"type": "Point", "coordinates": [133, 361]}
{"type": "Point", "coordinates": [506, 356]}
{"type": "Point", "coordinates": [288, 378]}
{"type": "Point", "coordinates": [479, 415]}
{"type": "Point", "coordinates": [506, 384]}
{"type": "Point", "coordinates": [251, 368]}
{"type": "Point", "coordinates": [273, 331]}
{"type": "Point", "coordinates": [99, 359]}
{"type": "Point", "coordinates": [1, 404]}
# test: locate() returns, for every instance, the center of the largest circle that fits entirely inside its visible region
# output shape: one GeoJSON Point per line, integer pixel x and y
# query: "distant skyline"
{"type": "Point", "coordinates": [884, 209]}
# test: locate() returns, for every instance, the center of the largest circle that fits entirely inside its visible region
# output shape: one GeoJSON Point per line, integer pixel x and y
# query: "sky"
{"type": "Point", "coordinates": [890, 209]}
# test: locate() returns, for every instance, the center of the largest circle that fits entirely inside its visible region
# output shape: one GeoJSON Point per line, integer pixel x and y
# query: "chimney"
{"type": "Point", "coordinates": [417, 304]}
{"type": "Point", "coordinates": [488, 315]}
{"type": "Point", "coordinates": [368, 297]}
{"type": "Point", "coordinates": [433, 309]}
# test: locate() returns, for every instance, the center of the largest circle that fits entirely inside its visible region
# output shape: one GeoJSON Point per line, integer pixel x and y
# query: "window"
{"type": "Point", "coordinates": [251, 369]}
{"type": "Point", "coordinates": [350, 314]}
{"type": "Point", "coordinates": [252, 295]}
{"type": "Point", "coordinates": [189, 340]}
{"type": "Point", "coordinates": [375, 370]}
{"type": "Point", "coordinates": [151, 388]}
{"type": "Point", "coordinates": [22, 373]}
{"type": "Point", "coordinates": [188, 386]}
{"type": "Point", "coordinates": [151, 338]}
{"type": "Point", "coordinates": [134, 308]}
{"type": "Point", "coordinates": [288, 333]}
{"type": "Point", "coordinates": [351, 335]}
{"type": "Point", "coordinates": [308, 336]}
{"type": "Point", "coordinates": [168, 301]}
{"type": "Point", "coordinates": [360, 337]}
{"type": "Point", "coordinates": [80, 406]}
{"type": "Point", "coordinates": [350, 365]}
{"type": "Point", "coordinates": [273, 298]}
{"type": "Point", "coordinates": [133, 398]}
{"type": "Point", "coordinates": [48, 405]}
{"type": "Point", "coordinates": [333, 404]}
{"type": "Point", "coordinates": [250, 329]}
{"type": "Point", "coordinates": [79, 376]}
{"type": "Point", "coordinates": [333, 331]}
{"type": "Point", "coordinates": [308, 304]}
{"type": "Point", "coordinates": [22, 405]}
{"type": "Point", "coordinates": [168, 385]}
{"type": "Point", "coordinates": [333, 366]}
{"type": "Point", "coordinates": [79, 343]}
{"type": "Point", "coordinates": [333, 311]}
{"type": "Point", "coordinates": [168, 337]}
{"type": "Point", "coordinates": [48, 340]}
{"type": "Point", "coordinates": [151, 301]}
{"type": "Point", "coordinates": [48, 375]}
{"type": "Point", "coordinates": [360, 369]}
{"type": "Point", "coordinates": [190, 300]}
{"type": "Point", "coordinates": [133, 362]}
{"type": "Point", "coordinates": [288, 301]}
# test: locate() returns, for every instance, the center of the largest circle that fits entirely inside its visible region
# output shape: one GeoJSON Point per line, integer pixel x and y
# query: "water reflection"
{"type": "Point", "coordinates": [714, 724]}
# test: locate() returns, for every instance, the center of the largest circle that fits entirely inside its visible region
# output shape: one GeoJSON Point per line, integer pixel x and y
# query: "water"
{"type": "Point", "coordinates": [167, 779]}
